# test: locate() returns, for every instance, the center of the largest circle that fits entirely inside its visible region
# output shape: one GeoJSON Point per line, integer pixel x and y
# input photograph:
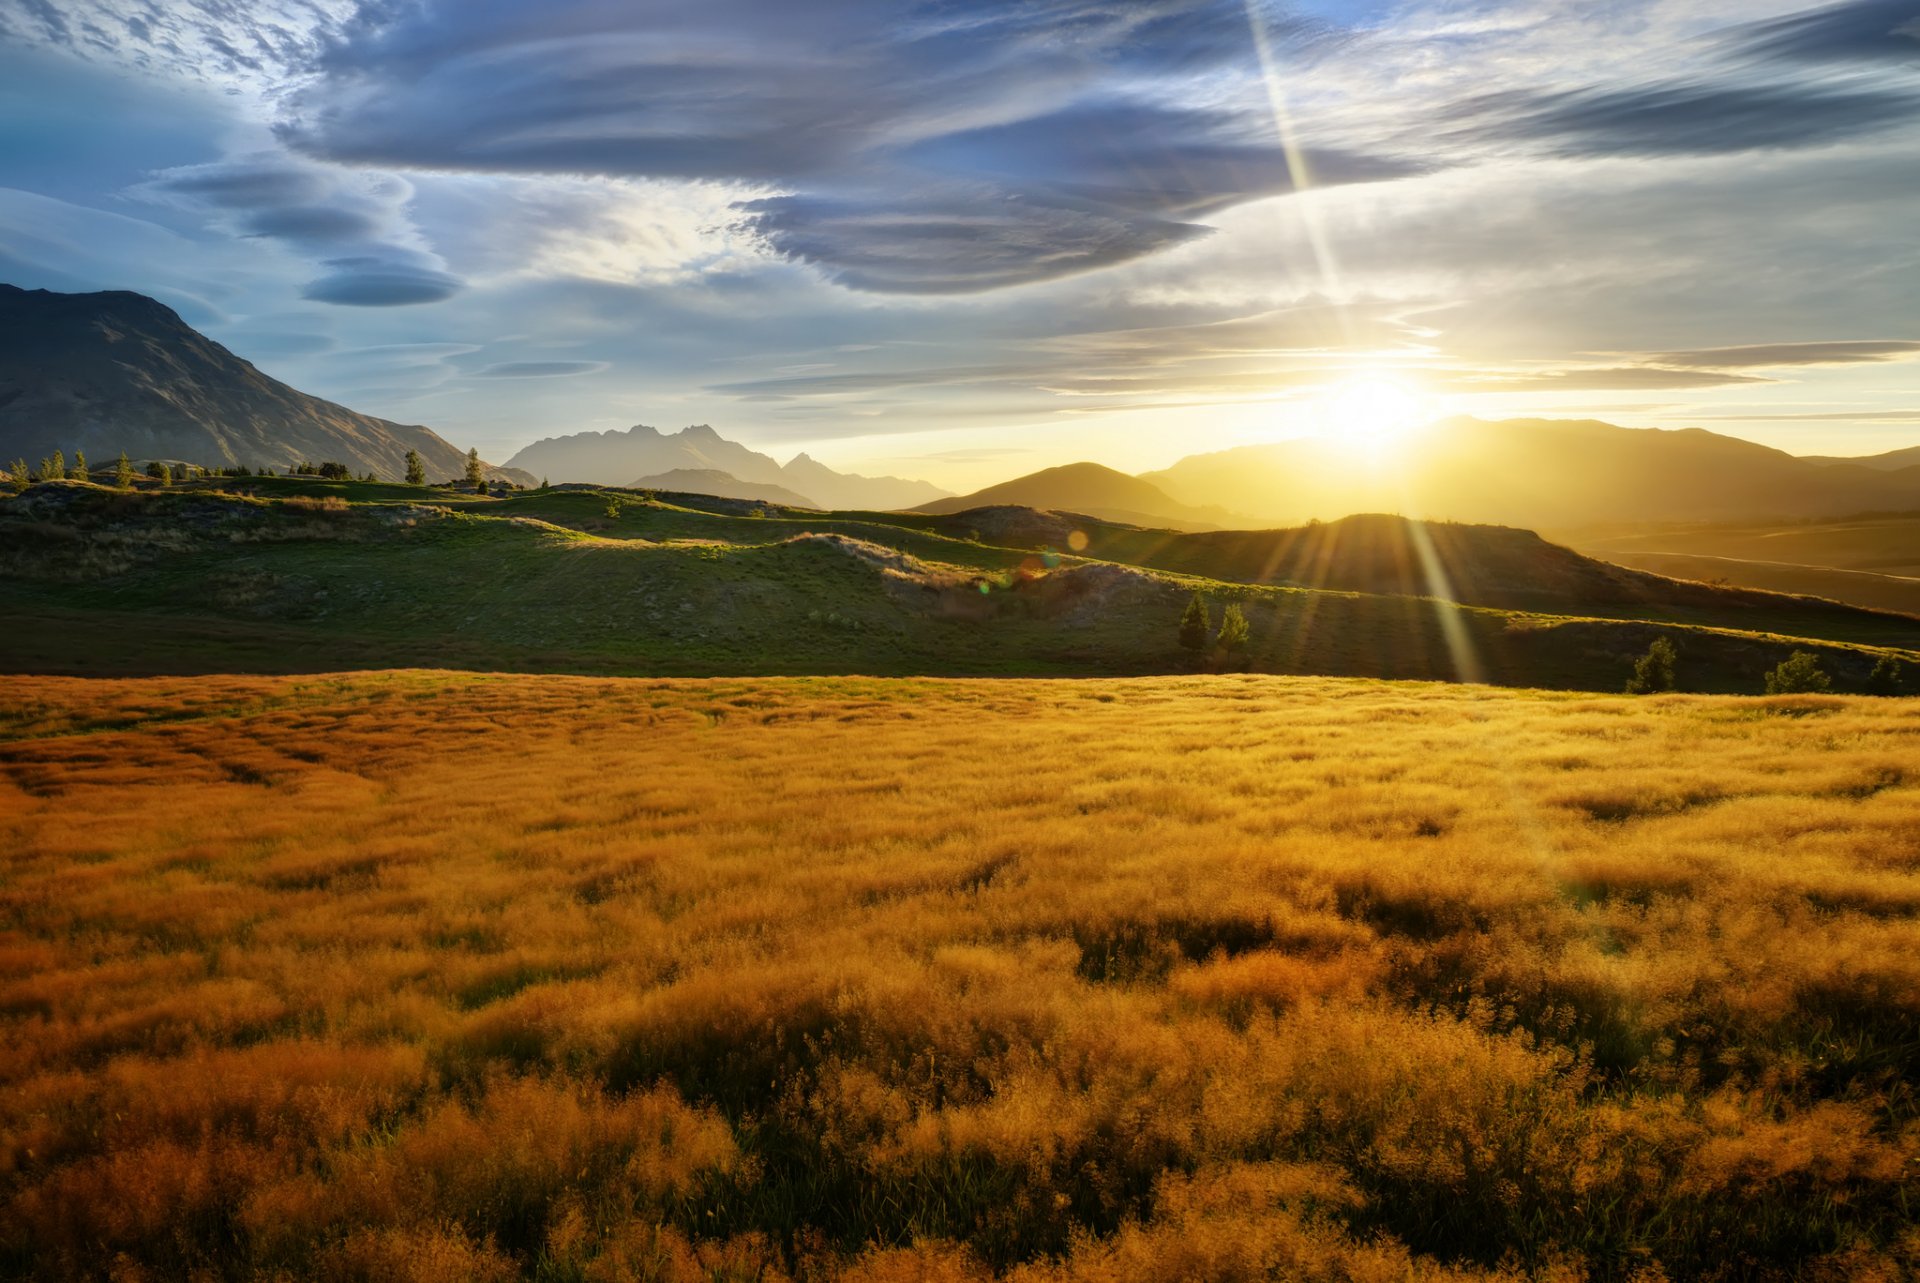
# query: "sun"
{"type": "Point", "coordinates": [1370, 413]}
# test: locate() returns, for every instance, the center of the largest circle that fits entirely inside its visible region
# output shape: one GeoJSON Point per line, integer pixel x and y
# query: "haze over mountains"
{"type": "Point", "coordinates": [643, 456]}
{"type": "Point", "coordinates": [1088, 488]}
{"type": "Point", "coordinates": [117, 371]}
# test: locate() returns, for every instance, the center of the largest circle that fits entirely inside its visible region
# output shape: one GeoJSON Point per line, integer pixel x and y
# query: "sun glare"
{"type": "Point", "coordinates": [1369, 413]}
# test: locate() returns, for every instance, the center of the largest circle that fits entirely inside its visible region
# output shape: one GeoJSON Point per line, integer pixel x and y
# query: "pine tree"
{"type": "Point", "coordinates": [1798, 674]}
{"type": "Point", "coordinates": [1885, 677]}
{"type": "Point", "coordinates": [54, 469]}
{"type": "Point", "coordinates": [1196, 624]}
{"type": "Point", "coordinates": [1653, 671]}
{"type": "Point", "coordinates": [1234, 631]}
{"type": "Point", "coordinates": [123, 471]}
{"type": "Point", "coordinates": [416, 470]}
{"type": "Point", "coordinates": [166, 474]}
{"type": "Point", "coordinates": [476, 471]}
{"type": "Point", "coordinates": [79, 470]}
{"type": "Point", "coordinates": [17, 470]}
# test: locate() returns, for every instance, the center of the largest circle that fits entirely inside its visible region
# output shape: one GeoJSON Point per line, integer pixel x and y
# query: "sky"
{"type": "Point", "coordinates": [966, 239]}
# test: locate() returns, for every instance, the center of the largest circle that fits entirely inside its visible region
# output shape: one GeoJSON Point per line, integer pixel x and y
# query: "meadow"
{"type": "Point", "coordinates": [431, 976]}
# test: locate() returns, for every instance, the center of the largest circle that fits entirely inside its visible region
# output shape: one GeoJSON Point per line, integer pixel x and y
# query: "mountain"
{"type": "Point", "coordinates": [119, 371]}
{"type": "Point", "coordinates": [1891, 461]}
{"type": "Point", "coordinates": [611, 458]}
{"type": "Point", "coordinates": [714, 482]}
{"type": "Point", "coordinates": [1086, 488]}
{"type": "Point", "coordinates": [1555, 475]}
{"type": "Point", "coordinates": [848, 491]}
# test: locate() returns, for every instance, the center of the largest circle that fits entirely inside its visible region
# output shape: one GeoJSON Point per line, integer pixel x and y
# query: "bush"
{"type": "Point", "coordinates": [1653, 671]}
{"type": "Point", "coordinates": [1798, 674]}
{"type": "Point", "coordinates": [1885, 677]}
{"type": "Point", "coordinates": [1195, 624]}
{"type": "Point", "coordinates": [613, 507]}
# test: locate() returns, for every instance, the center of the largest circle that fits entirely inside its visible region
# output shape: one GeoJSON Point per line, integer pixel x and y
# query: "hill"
{"type": "Point", "coordinates": [611, 458]}
{"type": "Point", "coordinates": [117, 371]}
{"type": "Point", "coordinates": [1088, 488]}
{"type": "Point", "coordinates": [1552, 475]}
{"type": "Point", "coordinates": [1891, 461]}
{"type": "Point", "coordinates": [290, 575]}
{"type": "Point", "coordinates": [712, 481]}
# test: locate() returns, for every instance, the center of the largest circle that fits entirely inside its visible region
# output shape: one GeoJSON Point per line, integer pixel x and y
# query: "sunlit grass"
{"type": "Point", "coordinates": [438, 977]}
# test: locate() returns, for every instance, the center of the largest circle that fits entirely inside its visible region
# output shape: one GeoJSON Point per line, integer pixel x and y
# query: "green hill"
{"type": "Point", "coordinates": [297, 575]}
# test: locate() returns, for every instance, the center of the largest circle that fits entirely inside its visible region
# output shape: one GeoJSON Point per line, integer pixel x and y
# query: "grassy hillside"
{"type": "Point", "coordinates": [425, 976]}
{"type": "Point", "coordinates": [1887, 544]}
{"type": "Point", "coordinates": [1856, 587]}
{"type": "Point", "coordinates": [294, 577]}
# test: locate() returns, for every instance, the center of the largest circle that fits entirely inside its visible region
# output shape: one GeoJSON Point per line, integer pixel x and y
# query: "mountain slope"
{"type": "Point", "coordinates": [1086, 488]}
{"type": "Point", "coordinates": [1556, 475]}
{"type": "Point", "coordinates": [613, 458]}
{"type": "Point", "coordinates": [714, 482]}
{"type": "Point", "coordinates": [119, 371]}
{"type": "Point", "coordinates": [1891, 461]}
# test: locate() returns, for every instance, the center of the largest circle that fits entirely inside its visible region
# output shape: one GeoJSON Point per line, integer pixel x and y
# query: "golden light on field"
{"type": "Point", "coordinates": [425, 977]}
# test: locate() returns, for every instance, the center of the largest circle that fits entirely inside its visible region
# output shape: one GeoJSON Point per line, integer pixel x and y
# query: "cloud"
{"type": "Point", "coordinates": [1625, 378]}
{"type": "Point", "coordinates": [541, 369]}
{"type": "Point", "coordinates": [956, 241]}
{"type": "Point", "coordinates": [355, 223]}
{"type": "Point", "coordinates": [1680, 119]}
{"type": "Point", "coordinates": [377, 282]}
{"type": "Point", "coordinates": [1768, 355]}
{"type": "Point", "coordinates": [927, 149]}
{"type": "Point", "coordinates": [1863, 31]}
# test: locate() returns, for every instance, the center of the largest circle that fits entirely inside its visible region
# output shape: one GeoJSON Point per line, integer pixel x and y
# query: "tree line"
{"type": "Point", "coordinates": [56, 468]}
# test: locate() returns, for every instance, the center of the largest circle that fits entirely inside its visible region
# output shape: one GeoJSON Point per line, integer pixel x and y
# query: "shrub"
{"type": "Point", "coordinates": [613, 507]}
{"type": "Point", "coordinates": [1653, 671]}
{"type": "Point", "coordinates": [1196, 623]}
{"type": "Point", "coordinates": [1885, 677]}
{"type": "Point", "coordinates": [1234, 632]}
{"type": "Point", "coordinates": [1798, 674]}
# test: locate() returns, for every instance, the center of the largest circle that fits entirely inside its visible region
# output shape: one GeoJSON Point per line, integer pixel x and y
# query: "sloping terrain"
{"type": "Point", "coordinates": [1855, 587]}
{"type": "Point", "coordinates": [294, 577]}
{"type": "Point", "coordinates": [1887, 543]}
{"type": "Point", "coordinates": [118, 371]}
{"type": "Point", "coordinates": [1088, 488]}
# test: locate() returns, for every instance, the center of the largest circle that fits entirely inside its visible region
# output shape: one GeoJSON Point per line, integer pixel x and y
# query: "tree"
{"type": "Point", "coordinates": [78, 472]}
{"type": "Point", "coordinates": [543, 483]}
{"type": "Point", "coordinates": [1196, 624]}
{"type": "Point", "coordinates": [123, 471]}
{"type": "Point", "coordinates": [1653, 671]}
{"type": "Point", "coordinates": [156, 469]}
{"type": "Point", "coordinates": [1798, 674]}
{"type": "Point", "coordinates": [1885, 677]}
{"type": "Point", "coordinates": [1234, 632]}
{"type": "Point", "coordinates": [332, 470]}
{"type": "Point", "coordinates": [613, 507]}
{"type": "Point", "coordinates": [165, 474]}
{"type": "Point", "coordinates": [476, 471]}
{"type": "Point", "coordinates": [17, 472]}
{"type": "Point", "coordinates": [416, 470]}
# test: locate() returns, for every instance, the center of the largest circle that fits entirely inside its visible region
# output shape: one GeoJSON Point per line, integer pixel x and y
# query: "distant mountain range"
{"type": "Point", "coordinates": [1091, 489]}
{"type": "Point", "coordinates": [1540, 474]}
{"type": "Point", "coordinates": [117, 371]}
{"type": "Point", "coordinates": [633, 457]}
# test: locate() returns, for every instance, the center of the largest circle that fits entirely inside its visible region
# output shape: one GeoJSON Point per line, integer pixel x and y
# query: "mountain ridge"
{"type": "Point", "coordinates": [115, 370]}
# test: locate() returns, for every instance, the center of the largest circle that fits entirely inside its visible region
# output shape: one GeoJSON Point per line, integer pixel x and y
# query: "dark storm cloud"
{"type": "Point", "coordinates": [311, 223]}
{"type": "Point", "coordinates": [918, 148]}
{"type": "Point", "coordinates": [373, 282]}
{"type": "Point", "coordinates": [257, 184]}
{"type": "Point", "coordinates": [1688, 119]}
{"type": "Point", "coordinates": [1864, 31]}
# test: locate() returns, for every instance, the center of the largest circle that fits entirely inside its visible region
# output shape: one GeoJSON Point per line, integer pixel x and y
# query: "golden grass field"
{"type": "Point", "coordinates": [432, 977]}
